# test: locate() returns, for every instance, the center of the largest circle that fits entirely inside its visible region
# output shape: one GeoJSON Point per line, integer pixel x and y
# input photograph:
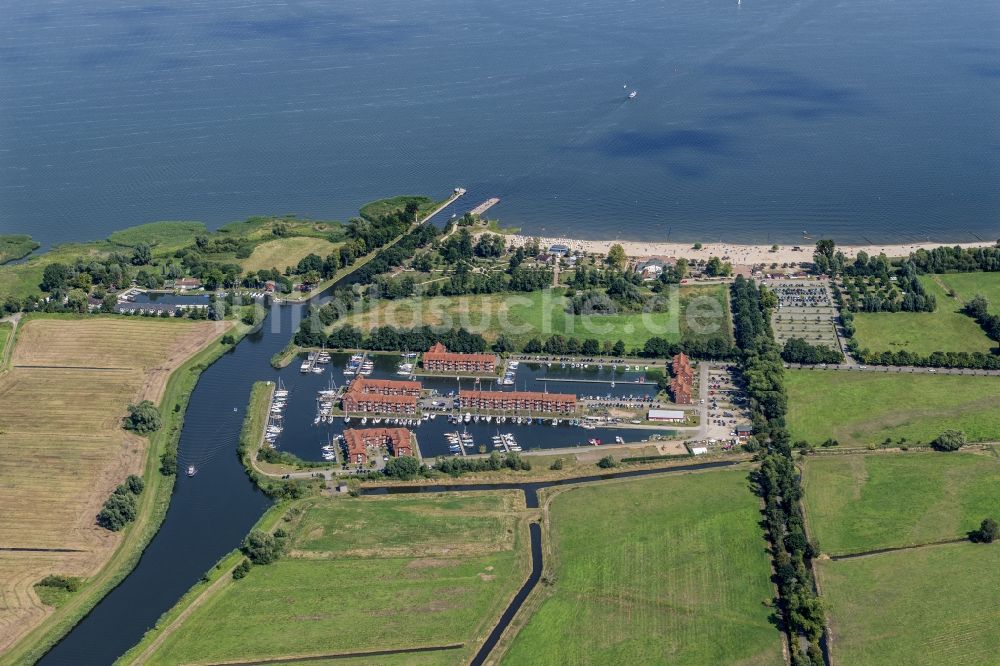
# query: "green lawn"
{"type": "Point", "coordinates": [968, 285]}
{"type": "Point", "coordinates": [5, 330]}
{"type": "Point", "coordinates": [16, 246]}
{"type": "Point", "coordinates": [934, 605]}
{"type": "Point", "coordinates": [857, 503]}
{"type": "Point", "coordinates": [861, 408]}
{"type": "Point", "coordinates": [946, 329]}
{"type": "Point", "coordinates": [523, 316]}
{"type": "Point", "coordinates": [369, 574]}
{"type": "Point", "coordinates": [663, 570]}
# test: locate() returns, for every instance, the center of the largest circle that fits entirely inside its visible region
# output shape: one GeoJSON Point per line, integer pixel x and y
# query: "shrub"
{"type": "Point", "coordinates": [242, 569]}
{"type": "Point", "coordinates": [557, 464]}
{"type": "Point", "coordinates": [607, 462]}
{"type": "Point", "coordinates": [135, 484]}
{"type": "Point", "coordinates": [143, 418]}
{"type": "Point", "coordinates": [262, 548]}
{"type": "Point", "coordinates": [988, 532]}
{"type": "Point", "coordinates": [949, 440]}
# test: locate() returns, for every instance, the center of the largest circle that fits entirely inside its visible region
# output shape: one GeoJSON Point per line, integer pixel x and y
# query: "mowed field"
{"type": "Point", "coordinates": [968, 285]}
{"type": "Point", "coordinates": [861, 408]}
{"type": "Point", "coordinates": [523, 316]}
{"type": "Point", "coordinates": [936, 604]}
{"type": "Point", "coordinates": [946, 329]}
{"type": "Point", "coordinates": [368, 573]}
{"type": "Point", "coordinates": [858, 503]}
{"type": "Point", "coordinates": [667, 570]}
{"type": "Point", "coordinates": [283, 252]}
{"type": "Point", "coordinates": [62, 449]}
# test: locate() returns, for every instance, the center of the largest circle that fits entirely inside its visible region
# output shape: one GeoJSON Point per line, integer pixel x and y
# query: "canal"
{"type": "Point", "coordinates": [210, 513]}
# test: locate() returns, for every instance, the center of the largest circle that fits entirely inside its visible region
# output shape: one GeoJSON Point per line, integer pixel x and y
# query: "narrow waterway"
{"type": "Point", "coordinates": [209, 513]}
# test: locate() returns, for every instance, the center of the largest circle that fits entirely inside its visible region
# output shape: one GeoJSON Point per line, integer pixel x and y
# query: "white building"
{"type": "Point", "coordinates": [671, 415]}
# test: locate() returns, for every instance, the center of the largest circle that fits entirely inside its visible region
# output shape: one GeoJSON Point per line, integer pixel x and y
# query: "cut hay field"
{"type": "Point", "coordinates": [63, 450]}
{"type": "Point", "coordinates": [668, 570]}
{"type": "Point", "coordinates": [929, 606]}
{"type": "Point", "coordinates": [969, 285]}
{"type": "Point", "coordinates": [861, 408]}
{"type": "Point", "coordinates": [369, 573]}
{"type": "Point", "coordinates": [946, 329]}
{"type": "Point", "coordinates": [522, 316]}
{"type": "Point", "coordinates": [282, 252]}
{"type": "Point", "coordinates": [857, 503]}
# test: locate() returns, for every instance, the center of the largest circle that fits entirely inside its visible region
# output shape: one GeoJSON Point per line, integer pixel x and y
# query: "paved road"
{"type": "Point", "coordinates": [894, 369]}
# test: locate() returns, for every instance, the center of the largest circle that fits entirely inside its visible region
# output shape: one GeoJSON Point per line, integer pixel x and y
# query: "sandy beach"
{"type": "Point", "coordinates": [737, 254]}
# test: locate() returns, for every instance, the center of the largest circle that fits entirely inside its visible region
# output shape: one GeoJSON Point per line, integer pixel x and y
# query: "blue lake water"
{"type": "Point", "coordinates": [855, 119]}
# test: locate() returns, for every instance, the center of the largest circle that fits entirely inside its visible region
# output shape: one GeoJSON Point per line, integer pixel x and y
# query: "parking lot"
{"type": "Point", "coordinates": [726, 405]}
{"type": "Point", "coordinates": [805, 310]}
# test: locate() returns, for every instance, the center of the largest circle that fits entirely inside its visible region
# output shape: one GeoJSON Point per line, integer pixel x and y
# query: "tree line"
{"type": "Point", "coordinates": [776, 479]}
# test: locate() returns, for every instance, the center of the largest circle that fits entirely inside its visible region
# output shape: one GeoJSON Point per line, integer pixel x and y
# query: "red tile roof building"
{"type": "Point", "coordinates": [399, 441]}
{"type": "Point", "coordinates": [681, 366]}
{"type": "Point", "coordinates": [683, 379]}
{"type": "Point", "coordinates": [382, 396]}
{"type": "Point", "coordinates": [439, 359]}
{"type": "Point", "coordinates": [530, 401]}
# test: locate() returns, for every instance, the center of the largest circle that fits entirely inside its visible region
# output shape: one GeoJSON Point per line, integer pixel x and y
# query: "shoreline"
{"type": "Point", "coordinates": [734, 252]}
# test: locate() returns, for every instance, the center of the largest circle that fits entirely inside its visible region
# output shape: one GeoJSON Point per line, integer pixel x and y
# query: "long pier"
{"type": "Point", "coordinates": [485, 206]}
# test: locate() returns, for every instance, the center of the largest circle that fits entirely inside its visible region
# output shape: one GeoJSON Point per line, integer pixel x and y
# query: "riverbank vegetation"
{"type": "Point", "coordinates": [865, 409]}
{"type": "Point", "coordinates": [864, 502]}
{"type": "Point", "coordinates": [669, 569]}
{"type": "Point", "coordinates": [16, 246]}
{"type": "Point", "coordinates": [428, 570]}
{"type": "Point", "coordinates": [66, 461]}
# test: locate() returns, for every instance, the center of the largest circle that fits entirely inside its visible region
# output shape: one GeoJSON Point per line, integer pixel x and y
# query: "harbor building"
{"type": "Point", "coordinates": [527, 401]}
{"type": "Point", "coordinates": [362, 443]}
{"type": "Point", "coordinates": [439, 359]}
{"type": "Point", "coordinates": [381, 396]}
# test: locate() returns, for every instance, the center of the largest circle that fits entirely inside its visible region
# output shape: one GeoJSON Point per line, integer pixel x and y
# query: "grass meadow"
{"type": "Point", "coordinates": [946, 329]}
{"type": "Point", "coordinates": [282, 252]}
{"type": "Point", "coordinates": [368, 574]}
{"type": "Point", "coordinates": [161, 236]}
{"type": "Point", "coordinates": [968, 285]}
{"type": "Point", "coordinates": [61, 404]}
{"type": "Point", "coordinates": [543, 313]}
{"type": "Point", "coordinates": [857, 503]}
{"type": "Point", "coordinates": [6, 329]}
{"type": "Point", "coordinates": [668, 570]}
{"type": "Point", "coordinates": [928, 606]}
{"type": "Point", "coordinates": [861, 408]}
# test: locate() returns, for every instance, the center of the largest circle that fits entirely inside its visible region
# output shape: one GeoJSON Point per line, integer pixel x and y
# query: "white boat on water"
{"type": "Point", "coordinates": [192, 470]}
{"type": "Point", "coordinates": [632, 95]}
